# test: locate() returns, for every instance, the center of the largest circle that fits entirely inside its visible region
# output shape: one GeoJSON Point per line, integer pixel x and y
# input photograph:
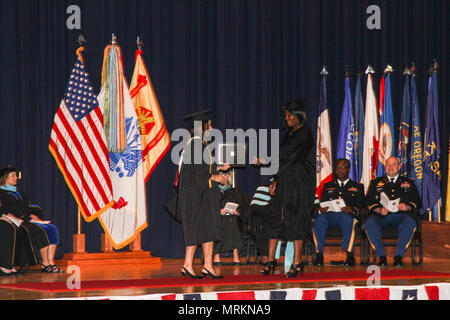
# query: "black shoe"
{"type": "Point", "coordinates": [185, 273]}
{"type": "Point", "coordinates": [398, 261]}
{"type": "Point", "coordinates": [295, 270]}
{"type": "Point", "coordinates": [318, 261]}
{"type": "Point", "coordinates": [383, 262]}
{"type": "Point", "coordinates": [208, 273]}
{"type": "Point", "coordinates": [269, 268]}
{"type": "Point", "coordinates": [217, 263]}
{"type": "Point", "coordinates": [350, 262]}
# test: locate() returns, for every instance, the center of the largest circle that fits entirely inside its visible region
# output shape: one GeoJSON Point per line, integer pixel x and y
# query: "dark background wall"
{"type": "Point", "coordinates": [242, 58]}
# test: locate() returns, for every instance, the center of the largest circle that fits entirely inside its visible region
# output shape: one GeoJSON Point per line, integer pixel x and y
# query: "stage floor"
{"type": "Point", "coordinates": [171, 268]}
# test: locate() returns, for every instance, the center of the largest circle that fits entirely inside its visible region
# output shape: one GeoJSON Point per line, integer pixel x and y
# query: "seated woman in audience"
{"type": "Point", "coordinates": [7, 246]}
{"type": "Point", "coordinates": [232, 220]}
{"type": "Point", "coordinates": [42, 234]}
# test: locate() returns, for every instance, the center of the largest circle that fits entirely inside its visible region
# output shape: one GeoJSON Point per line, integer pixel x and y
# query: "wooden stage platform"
{"type": "Point", "coordinates": [436, 258]}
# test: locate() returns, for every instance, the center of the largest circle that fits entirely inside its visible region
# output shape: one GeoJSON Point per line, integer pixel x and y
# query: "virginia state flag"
{"type": "Point", "coordinates": [416, 151]}
{"type": "Point", "coordinates": [359, 129]}
{"type": "Point", "coordinates": [405, 128]}
{"type": "Point", "coordinates": [346, 139]}
{"type": "Point", "coordinates": [154, 134]}
{"type": "Point", "coordinates": [431, 169]}
{"type": "Point", "coordinates": [127, 217]}
{"type": "Point", "coordinates": [386, 147]}
{"type": "Point", "coordinates": [324, 169]}
{"type": "Point", "coordinates": [371, 131]}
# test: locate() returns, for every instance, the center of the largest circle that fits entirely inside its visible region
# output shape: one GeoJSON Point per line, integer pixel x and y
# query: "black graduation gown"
{"type": "Point", "coordinates": [198, 198]}
{"type": "Point", "coordinates": [18, 204]}
{"type": "Point", "coordinates": [292, 204]}
{"type": "Point", "coordinates": [233, 225]}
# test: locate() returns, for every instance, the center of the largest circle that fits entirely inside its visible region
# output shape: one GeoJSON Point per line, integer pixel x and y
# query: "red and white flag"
{"type": "Point", "coordinates": [324, 164]}
{"type": "Point", "coordinates": [77, 142]}
{"type": "Point", "coordinates": [371, 134]}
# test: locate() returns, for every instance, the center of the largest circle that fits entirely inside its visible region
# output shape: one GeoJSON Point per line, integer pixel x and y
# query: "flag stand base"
{"type": "Point", "coordinates": [108, 256]}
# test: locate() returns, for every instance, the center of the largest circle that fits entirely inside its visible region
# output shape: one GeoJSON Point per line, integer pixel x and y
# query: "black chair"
{"type": "Point", "coordinates": [390, 239]}
{"type": "Point", "coordinates": [334, 238]}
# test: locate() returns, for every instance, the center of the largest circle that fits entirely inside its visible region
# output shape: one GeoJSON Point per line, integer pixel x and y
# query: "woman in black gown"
{"type": "Point", "coordinates": [293, 188]}
{"type": "Point", "coordinates": [198, 197]}
{"type": "Point", "coordinates": [18, 205]}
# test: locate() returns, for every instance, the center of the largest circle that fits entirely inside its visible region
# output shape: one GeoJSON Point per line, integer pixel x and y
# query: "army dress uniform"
{"type": "Point", "coordinates": [353, 195]}
{"type": "Point", "coordinates": [398, 187]}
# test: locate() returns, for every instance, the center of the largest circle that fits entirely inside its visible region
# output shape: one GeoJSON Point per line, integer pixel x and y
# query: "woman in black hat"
{"type": "Point", "coordinates": [198, 197]}
{"type": "Point", "coordinates": [293, 188]}
{"type": "Point", "coordinates": [43, 234]}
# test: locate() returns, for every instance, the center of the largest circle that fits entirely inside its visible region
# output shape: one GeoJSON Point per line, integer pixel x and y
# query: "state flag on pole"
{"type": "Point", "coordinates": [386, 147]}
{"type": "Point", "coordinates": [405, 129]}
{"type": "Point", "coordinates": [346, 139]}
{"type": "Point", "coordinates": [371, 131]}
{"type": "Point", "coordinates": [359, 129]}
{"type": "Point", "coordinates": [432, 150]}
{"type": "Point", "coordinates": [77, 142]}
{"type": "Point", "coordinates": [416, 152]}
{"type": "Point", "coordinates": [324, 171]}
{"type": "Point", "coordinates": [154, 134]}
{"type": "Point", "coordinates": [122, 222]}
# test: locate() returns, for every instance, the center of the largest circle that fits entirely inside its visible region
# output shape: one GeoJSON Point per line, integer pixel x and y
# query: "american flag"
{"type": "Point", "coordinates": [77, 143]}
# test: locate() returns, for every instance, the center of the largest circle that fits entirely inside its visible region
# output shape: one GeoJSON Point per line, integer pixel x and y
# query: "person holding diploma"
{"type": "Point", "coordinates": [351, 196]}
{"type": "Point", "coordinates": [396, 189]}
{"type": "Point", "coordinates": [234, 213]}
{"type": "Point", "coordinates": [197, 203]}
{"type": "Point", "coordinates": [19, 209]}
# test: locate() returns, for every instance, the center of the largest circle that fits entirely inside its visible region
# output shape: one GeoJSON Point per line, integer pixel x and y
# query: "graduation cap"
{"type": "Point", "coordinates": [199, 116]}
{"type": "Point", "coordinates": [9, 169]}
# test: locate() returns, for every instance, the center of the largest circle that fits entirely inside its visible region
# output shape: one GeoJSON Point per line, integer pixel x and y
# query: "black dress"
{"type": "Point", "coordinates": [33, 236]}
{"type": "Point", "coordinates": [232, 225]}
{"type": "Point", "coordinates": [198, 198]}
{"type": "Point", "coordinates": [292, 205]}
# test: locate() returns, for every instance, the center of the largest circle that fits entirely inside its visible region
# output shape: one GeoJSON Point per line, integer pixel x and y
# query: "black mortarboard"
{"type": "Point", "coordinates": [199, 116]}
{"type": "Point", "coordinates": [297, 108]}
{"type": "Point", "coordinates": [7, 170]}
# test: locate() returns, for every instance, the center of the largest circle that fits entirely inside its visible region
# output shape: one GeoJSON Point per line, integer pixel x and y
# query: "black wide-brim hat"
{"type": "Point", "coordinates": [7, 170]}
{"type": "Point", "coordinates": [203, 115]}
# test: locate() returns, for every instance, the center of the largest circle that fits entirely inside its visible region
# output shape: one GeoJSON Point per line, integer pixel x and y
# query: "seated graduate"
{"type": "Point", "coordinates": [401, 215]}
{"type": "Point", "coordinates": [233, 221]}
{"type": "Point", "coordinates": [342, 187]}
{"type": "Point", "coordinates": [260, 206]}
{"type": "Point", "coordinates": [19, 206]}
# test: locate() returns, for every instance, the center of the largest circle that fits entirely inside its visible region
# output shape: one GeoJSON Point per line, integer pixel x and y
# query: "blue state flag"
{"type": "Point", "coordinates": [387, 139]}
{"type": "Point", "coordinates": [359, 129]}
{"type": "Point", "coordinates": [416, 150]}
{"type": "Point", "coordinates": [346, 138]}
{"type": "Point", "coordinates": [431, 169]}
{"type": "Point", "coordinates": [404, 131]}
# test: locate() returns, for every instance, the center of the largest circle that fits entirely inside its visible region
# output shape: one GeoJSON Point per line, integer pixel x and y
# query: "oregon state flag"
{"type": "Point", "coordinates": [154, 135]}
{"type": "Point", "coordinates": [128, 216]}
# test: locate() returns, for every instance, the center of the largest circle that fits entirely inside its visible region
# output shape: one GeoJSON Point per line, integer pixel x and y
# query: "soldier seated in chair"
{"type": "Point", "coordinates": [346, 218]}
{"type": "Point", "coordinates": [401, 215]}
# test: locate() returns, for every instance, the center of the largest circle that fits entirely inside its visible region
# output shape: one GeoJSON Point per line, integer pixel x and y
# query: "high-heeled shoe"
{"type": "Point", "coordinates": [270, 268]}
{"type": "Point", "coordinates": [294, 270]}
{"type": "Point", "coordinates": [186, 272]}
{"type": "Point", "coordinates": [209, 273]}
